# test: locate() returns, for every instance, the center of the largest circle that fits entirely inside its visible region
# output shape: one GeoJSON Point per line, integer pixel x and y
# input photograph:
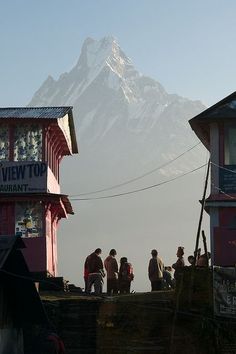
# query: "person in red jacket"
{"type": "Point", "coordinates": [48, 342]}
{"type": "Point", "coordinates": [125, 276]}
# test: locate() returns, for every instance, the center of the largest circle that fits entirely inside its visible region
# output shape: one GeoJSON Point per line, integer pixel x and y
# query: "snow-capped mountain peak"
{"type": "Point", "coordinates": [110, 97]}
{"type": "Point", "coordinates": [95, 55]}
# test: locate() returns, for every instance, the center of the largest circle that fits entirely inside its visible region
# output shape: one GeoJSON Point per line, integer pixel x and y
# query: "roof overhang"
{"type": "Point", "coordinates": [60, 200]}
{"type": "Point", "coordinates": [221, 112]}
{"type": "Point", "coordinates": [75, 149]}
{"type": "Point", "coordinates": [219, 201]}
{"type": "Point", "coordinates": [43, 114]}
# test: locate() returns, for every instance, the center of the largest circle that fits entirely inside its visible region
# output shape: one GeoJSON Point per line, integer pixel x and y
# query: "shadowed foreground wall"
{"type": "Point", "coordinates": [167, 322]}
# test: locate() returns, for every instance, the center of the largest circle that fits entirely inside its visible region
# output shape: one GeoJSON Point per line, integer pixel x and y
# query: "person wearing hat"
{"type": "Point", "coordinates": [155, 271]}
{"type": "Point", "coordinates": [179, 264]}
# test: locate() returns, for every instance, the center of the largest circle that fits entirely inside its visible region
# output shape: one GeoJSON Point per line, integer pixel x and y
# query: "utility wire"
{"type": "Point", "coordinates": [136, 178]}
{"type": "Point", "coordinates": [221, 191]}
{"type": "Point", "coordinates": [223, 168]}
{"type": "Point", "coordinates": [141, 189]}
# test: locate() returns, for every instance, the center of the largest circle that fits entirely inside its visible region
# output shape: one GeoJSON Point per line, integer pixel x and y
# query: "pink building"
{"type": "Point", "coordinates": [216, 128]}
{"type": "Point", "coordinates": [33, 141]}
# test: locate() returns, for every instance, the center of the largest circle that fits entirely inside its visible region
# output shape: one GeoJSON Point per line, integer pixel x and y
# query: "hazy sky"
{"type": "Point", "coordinates": [188, 46]}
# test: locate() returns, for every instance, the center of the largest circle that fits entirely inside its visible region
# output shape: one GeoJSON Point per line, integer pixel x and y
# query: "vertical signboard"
{"type": "Point", "coordinates": [224, 291]}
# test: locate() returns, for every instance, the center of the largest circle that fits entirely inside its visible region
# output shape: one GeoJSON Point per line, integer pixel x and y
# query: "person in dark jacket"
{"type": "Point", "coordinates": [111, 267]}
{"type": "Point", "coordinates": [168, 278]}
{"type": "Point", "coordinates": [155, 271]}
{"type": "Point", "coordinates": [203, 260]}
{"type": "Point", "coordinates": [86, 275]}
{"type": "Point", "coordinates": [95, 271]}
{"type": "Point", "coordinates": [179, 264]}
{"type": "Point", "coordinates": [125, 276]}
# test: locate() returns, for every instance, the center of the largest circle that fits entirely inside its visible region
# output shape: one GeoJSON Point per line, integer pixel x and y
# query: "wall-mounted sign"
{"type": "Point", "coordinates": [224, 287]}
{"type": "Point", "coordinates": [23, 177]}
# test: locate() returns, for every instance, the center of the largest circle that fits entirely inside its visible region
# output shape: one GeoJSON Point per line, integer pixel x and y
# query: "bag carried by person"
{"type": "Point", "coordinates": [48, 342]}
{"type": "Point", "coordinates": [127, 271]}
{"type": "Point", "coordinates": [57, 342]}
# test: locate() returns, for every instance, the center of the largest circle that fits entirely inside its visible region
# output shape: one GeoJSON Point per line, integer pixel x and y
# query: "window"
{"type": "Point", "coordinates": [28, 143]}
{"type": "Point", "coordinates": [4, 142]}
{"type": "Point", "coordinates": [230, 145]}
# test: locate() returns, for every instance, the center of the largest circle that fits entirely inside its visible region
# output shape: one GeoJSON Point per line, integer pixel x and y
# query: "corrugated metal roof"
{"type": "Point", "coordinates": [42, 113]}
{"type": "Point", "coordinates": [226, 106]}
{"type": "Point", "coordinates": [221, 111]}
{"type": "Point", "coordinates": [34, 112]}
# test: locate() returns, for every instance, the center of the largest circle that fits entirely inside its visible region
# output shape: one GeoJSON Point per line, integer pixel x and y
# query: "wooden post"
{"type": "Point", "coordinates": [201, 213]}
{"type": "Point", "coordinates": [205, 247]}
{"type": "Point", "coordinates": [198, 236]}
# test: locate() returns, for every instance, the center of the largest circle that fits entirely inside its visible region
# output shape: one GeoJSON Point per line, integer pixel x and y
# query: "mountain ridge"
{"type": "Point", "coordinates": [104, 86]}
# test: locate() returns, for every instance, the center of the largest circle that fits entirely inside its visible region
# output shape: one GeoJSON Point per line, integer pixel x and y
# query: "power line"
{"type": "Point", "coordinates": [221, 191]}
{"type": "Point", "coordinates": [141, 189]}
{"type": "Point", "coordinates": [223, 168]}
{"type": "Point", "coordinates": [136, 178]}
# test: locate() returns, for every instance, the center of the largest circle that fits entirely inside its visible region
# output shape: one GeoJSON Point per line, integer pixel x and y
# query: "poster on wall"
{"type": "Point", "coordinates": [28, 221]}
{"type": "Point", "coordinates": [224, 291]}
{"type": "Point", "coordinates": [23, 177]}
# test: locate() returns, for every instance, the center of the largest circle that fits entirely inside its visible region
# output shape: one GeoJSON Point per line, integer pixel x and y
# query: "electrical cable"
{"type": "Point", "coordinates": [220, 190]}
{"type": "Point", "coordinates": [223, 168]}
{"type": "Point", "coordinates": [136, 178]}
{"type": "Point", "coordinates": [141, 189]}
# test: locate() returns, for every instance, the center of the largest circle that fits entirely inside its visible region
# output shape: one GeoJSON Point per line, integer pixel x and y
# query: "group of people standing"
{"type": "Point", "coordinates": [119, 278]}
{"type": "Point", "coordinates": [161, 277]}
